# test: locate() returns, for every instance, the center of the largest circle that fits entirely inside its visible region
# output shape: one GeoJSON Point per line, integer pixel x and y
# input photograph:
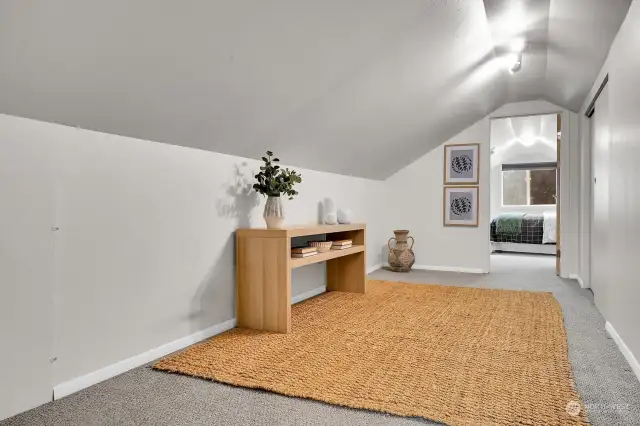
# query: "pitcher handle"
{"type": "Point", "coordinates": [389, 243]}
{"type": "Point", "coordinates": [412, 242]}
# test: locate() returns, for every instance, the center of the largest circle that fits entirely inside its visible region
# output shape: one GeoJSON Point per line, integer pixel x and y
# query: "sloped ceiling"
{"type": "Point", "coordinates": [359, 87]}
{"type": "Point", "coordinates": [580, 35]}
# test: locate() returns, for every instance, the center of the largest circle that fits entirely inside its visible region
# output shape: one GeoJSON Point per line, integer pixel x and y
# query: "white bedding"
{"type": "Point", "coordinates": [524, 248]}
{"type": "Point", "coordinates": [549, 228]}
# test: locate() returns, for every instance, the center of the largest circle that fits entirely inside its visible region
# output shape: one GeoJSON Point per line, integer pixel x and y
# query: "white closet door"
{"type": "Point", "coordinates": [601, 142]}
{"type": "Point", "coordinates": [26, 268]}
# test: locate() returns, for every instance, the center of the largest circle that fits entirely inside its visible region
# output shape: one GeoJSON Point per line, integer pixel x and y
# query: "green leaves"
{"type": "Point", "coordinates": [272, 180]}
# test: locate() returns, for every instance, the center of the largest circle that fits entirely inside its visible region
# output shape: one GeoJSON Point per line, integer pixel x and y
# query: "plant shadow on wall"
{"type": "Point", "coordinates": [214, 300]}
{"type": "Point", "coordinates": [240, 199]}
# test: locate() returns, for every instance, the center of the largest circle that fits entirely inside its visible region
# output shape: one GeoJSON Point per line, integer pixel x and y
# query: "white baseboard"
{"type": "Point", "coordinates": [308, 294]}
{"type": "Point", "coordinates": [374, 268]}
{"type": "Point", "coordinates": [447, 269]}
{"type": "Point", "coordinates": [631, 359]}
{"type": "Point", "coordinates": [79, 383]}
{"type": "Point", "coordinates": [450, 269]}
{"type": "Point", "coordinates": [577, 278]}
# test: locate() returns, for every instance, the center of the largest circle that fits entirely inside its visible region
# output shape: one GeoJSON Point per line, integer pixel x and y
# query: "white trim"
{"type": "Point", "coordinates": [577, 278]}
{"type": "Point", "coordinates": [450, 269]}
{"type": "Point", "coordinates": [95, 377]}
{"type": "Point", "coordinates": [374, 268]}
{"type": "Point", "coordinates": [535, 114]}
{"type": "Point", "coordinates": [633, 362]}
{"type": "Point", "coordinates": [308, 294]}
{"type": "Point", "coordinates": [447, 269]}
{"type": "Point", "coordinates": [79, 383]}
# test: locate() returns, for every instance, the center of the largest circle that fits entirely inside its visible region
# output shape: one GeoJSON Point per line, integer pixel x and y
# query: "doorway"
{"type": "Point", "coordinates": [525, 189]}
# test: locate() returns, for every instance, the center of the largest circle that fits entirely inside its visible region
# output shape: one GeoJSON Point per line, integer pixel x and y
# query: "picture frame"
{"type": "Point", "coordinates": [462, 164]}
{"type": "Point", "coordinates": [461, 206]}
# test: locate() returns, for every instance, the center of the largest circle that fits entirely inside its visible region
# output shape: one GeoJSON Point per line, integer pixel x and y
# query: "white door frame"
{"type": "Point", "coordinates": [569, 192]}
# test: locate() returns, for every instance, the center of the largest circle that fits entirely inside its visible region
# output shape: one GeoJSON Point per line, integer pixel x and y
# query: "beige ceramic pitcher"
{"type": "Point", "coordinates": [401, 256]}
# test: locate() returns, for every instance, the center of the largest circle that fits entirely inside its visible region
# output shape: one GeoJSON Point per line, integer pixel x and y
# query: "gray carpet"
{"type": "Point", "coordinates": [146, 397]}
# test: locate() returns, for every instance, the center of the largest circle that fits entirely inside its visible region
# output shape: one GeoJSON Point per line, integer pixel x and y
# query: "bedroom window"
{"type": "Point", "coordinates": [529, 184]}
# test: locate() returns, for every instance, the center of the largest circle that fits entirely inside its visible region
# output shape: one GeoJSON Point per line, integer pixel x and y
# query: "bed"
{"type": "Point", "coordinates": [524, 233]}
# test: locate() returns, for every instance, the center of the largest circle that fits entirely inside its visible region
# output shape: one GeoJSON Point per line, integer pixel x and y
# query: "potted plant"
{"type": "Point", "coordinates": [273, 181]}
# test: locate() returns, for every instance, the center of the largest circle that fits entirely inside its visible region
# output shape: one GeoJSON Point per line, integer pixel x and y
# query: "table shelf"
{"type": "Point", "coordinates": [297, 262]}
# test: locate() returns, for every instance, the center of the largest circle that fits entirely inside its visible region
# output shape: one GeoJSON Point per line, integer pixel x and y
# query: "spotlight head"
{"type": "Point", "coordinates": [514, 62]}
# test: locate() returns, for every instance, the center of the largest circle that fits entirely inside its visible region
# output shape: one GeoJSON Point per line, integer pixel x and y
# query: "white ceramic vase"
{"type": "Point", "coordinates": [330, 215]}
{"type": "Point", "coordinates": [274, 212]}
{"type": "Point", "coordinates": [344, 216]}
{"type": "Point", "coordinates": [331, 219]}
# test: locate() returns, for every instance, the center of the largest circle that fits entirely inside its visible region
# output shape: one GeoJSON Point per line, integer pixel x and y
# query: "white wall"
{"type": "Point", "coordinates": [418, 190]}
{"type": "Point", "coordinates": [144, 253]}
{"type": "Point", "coordinates": [621, 298]}
{"type": "Point", "coordinates": [523, 109]}
{"type": "Point", "coordinates": [26, 269]}
{"type": "Point", "coordinates": [509, 150]}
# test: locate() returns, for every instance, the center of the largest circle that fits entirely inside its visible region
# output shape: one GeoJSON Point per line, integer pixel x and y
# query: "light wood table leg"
{"type": "Point", "coordinates": [263, 283]}
{"type": "Point", "coordinates": [348, 273]}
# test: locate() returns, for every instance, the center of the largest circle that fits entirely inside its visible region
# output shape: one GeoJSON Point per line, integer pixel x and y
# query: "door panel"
{"type": "Point", "coordinates": [558, 190]}
{"type": "Point", "coordinates": [601, 141]}
{"type": "Point", "coordinates": [26, 269]}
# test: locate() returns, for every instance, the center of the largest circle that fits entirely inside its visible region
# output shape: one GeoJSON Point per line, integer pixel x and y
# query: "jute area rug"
{"type": "Point", "coordinates": [460, 356]}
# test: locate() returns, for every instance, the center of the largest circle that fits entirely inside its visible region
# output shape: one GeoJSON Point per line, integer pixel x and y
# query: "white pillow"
{"type": "Point", "coordinates": [549, 227]}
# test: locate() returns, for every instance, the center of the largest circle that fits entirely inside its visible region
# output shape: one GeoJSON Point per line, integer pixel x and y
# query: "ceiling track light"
{"type": "Point", "coordinates": [515, 63]}
{"type": "Point", "coordinates": [514, 59]}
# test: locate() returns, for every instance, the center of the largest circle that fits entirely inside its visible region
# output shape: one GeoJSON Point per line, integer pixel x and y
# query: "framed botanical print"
{"type": "Point", "coordinates": [461, 206]}
{"type": "Point", "coordinates": [462, 164]}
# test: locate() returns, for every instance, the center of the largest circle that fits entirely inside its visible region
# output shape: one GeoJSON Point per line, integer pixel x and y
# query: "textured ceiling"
{"type": "Point", "coordinates": [358, 87]}
{"type": "Point", "coordinates": [580, 34]}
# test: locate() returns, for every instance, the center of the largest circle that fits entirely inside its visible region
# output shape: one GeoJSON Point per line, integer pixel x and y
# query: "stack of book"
{"type": "Point", "coordinates": [303, 251]}
{"type": "Point", "coordinates": [341, 244]}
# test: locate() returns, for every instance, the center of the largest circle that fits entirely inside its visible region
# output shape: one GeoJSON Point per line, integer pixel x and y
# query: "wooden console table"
{"type": "Point", "coordinates": [264, 264]}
